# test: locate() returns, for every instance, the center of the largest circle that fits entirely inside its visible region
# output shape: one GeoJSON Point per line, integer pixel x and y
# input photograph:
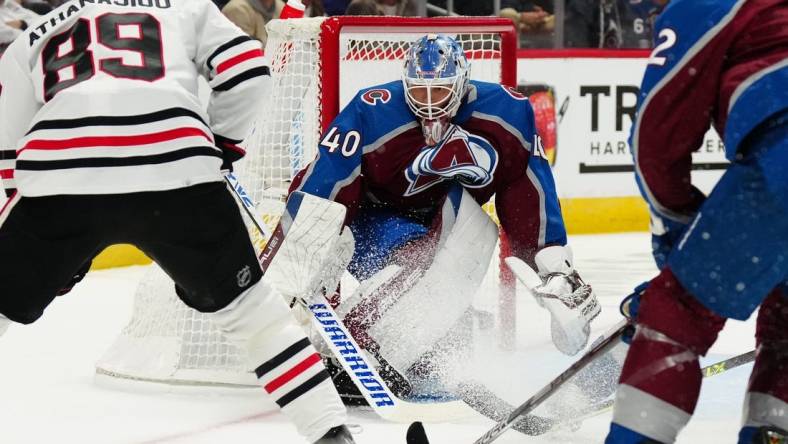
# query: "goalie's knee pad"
{"type": "Point", "coordinates": [430, 308]}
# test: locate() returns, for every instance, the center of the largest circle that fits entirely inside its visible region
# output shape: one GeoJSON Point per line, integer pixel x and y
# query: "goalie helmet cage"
{"type": "Point", "coordinates": [317, 66]}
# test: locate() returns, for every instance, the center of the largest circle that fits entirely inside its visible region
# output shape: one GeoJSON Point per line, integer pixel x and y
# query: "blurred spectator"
{"type": "Point", "coordinates": [39, 7]}
{"type": "Point", "coordinates": [220, 3]}
{"type": "Point", "coordinates": [470, 7]}
{"type": "Point", "coordinates": [402, 8]}
{"type": "Point", "coordinates": [252, 15]}
{"type": "Point", "coordinates": [314, 8]}
{"type": "Point", "coordinates": [529, 17]}
{"type": "Point", "coordinates": [605, 24]}
{"type": "Point", "coordinates": [363, 7]}
{"type": "Point", "coordinates": [335, 7]}
{"type": "Point", "coordinates": [13, 20]}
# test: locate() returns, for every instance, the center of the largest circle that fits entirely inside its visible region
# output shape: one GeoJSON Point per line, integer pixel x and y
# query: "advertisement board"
{"type": "Point", "coordinates": [595, 102]}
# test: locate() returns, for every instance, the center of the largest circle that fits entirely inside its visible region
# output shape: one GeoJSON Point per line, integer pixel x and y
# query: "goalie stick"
{"type": "Point", "coordinates": [247, 204]}
{"type": "Point", "coordinates": [336, 335]}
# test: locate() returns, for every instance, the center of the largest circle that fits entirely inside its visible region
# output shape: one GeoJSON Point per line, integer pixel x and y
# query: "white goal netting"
{"type": "Point", "coordinates": [317, 66]}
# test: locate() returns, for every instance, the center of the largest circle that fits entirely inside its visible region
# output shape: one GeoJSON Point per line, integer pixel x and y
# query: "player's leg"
{"type": "Point", "coordinates": [767, 395]}
{"type": "Point", "coordinates": [216, 266]}
{"type": "Point", "coordinates": [40, 253]}
{"type": "Point", "coordinates": [660, 381]}
{"type": "Point", "coordinates": [731, 257]}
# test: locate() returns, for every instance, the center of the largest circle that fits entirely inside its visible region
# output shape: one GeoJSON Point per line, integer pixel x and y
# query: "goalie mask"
{"type": "Point", "coordinates": [435, 78]}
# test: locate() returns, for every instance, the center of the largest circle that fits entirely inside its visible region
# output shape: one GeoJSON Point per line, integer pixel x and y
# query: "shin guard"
{"type": "Point", "coordinates": [285, 362]}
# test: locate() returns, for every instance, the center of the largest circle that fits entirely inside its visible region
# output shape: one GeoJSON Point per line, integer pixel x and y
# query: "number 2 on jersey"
{"type": "Point", "coordinates": [82, 61]}
{"type": "Point", "coordinates": [669, 39]}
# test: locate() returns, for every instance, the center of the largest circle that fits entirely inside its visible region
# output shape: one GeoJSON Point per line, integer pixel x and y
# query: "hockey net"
{"type": "Point", "coordinates": [317, 66]}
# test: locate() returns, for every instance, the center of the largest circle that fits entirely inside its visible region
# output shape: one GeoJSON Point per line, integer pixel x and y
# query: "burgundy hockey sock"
{"type": "Point", "coordinates": [661, 378]}
{"type": "Point", "coordinates": [767, 394]}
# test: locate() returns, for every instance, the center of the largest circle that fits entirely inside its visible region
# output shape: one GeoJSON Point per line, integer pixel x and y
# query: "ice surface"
{"type": "Point", "coordinates": [48, 393]}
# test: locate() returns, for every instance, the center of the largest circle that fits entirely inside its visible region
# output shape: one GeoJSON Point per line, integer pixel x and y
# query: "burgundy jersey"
{"type": "Point", "coordinates": [734, 63]}
{"type": "Point", "coordinates": [374, 153]}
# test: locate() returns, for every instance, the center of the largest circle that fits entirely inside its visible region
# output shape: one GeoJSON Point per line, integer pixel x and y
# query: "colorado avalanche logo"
{"type": "Point", "coordinates": [464, 157]}
{"type": "Point", "coordinates": [373, 96]}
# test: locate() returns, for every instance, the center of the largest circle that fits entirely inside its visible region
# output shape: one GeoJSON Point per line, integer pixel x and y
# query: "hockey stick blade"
{"type": "Point", "coordinates": [368, 380]}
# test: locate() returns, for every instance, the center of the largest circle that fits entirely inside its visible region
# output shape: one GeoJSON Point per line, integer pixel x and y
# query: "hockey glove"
{"type": "Point", "coordinates": [78, 276]}
{"type": "Point", "coordinates": [231, 152]}
{"type": "Point", "coordinates": [559, 288]}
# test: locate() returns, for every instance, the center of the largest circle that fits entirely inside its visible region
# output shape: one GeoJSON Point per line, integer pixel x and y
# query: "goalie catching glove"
{"type": "Point", "coordinates": [559, 288]}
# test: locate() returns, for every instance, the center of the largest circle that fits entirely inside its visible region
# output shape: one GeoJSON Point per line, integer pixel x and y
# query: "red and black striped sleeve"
{"type": "Point", "coordinates": [238, 75]}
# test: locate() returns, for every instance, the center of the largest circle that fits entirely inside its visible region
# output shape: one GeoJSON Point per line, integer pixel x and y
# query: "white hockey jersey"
{"type": "Point", "coordinates": [101, 96]}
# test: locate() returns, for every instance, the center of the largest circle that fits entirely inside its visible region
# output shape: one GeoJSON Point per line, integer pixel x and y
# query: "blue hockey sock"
{"type": "Point", "coordinates": [747, 434]}
{"type": "Point", "coordinates": [623, 435]}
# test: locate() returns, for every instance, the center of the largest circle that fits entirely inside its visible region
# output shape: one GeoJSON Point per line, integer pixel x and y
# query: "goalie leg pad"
{"type": "Point", "coordinates": [426, 312]}
{"type": "Point", "coordinates": [285, 362]}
